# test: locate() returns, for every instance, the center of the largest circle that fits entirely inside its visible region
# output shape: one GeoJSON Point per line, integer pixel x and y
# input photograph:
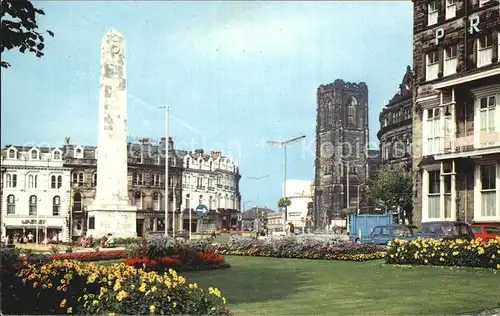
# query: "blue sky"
{"type": "Point", "coordinates": [235, 74]}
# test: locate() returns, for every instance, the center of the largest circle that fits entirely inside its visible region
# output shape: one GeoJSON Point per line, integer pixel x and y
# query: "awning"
{"type": "Point", "coordinates": [40, 227]}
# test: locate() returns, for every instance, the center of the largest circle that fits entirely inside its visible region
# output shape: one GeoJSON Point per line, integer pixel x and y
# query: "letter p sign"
{"type": "Point", "coordinates": [439, 35]}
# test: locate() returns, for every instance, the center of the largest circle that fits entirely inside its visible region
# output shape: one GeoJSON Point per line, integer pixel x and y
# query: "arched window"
{"type": "Point", "coordinates": [53, 182]}
{"type": "Point", "coordinates": [138, 199]}
{"type": "Point", "coordinates": [57, 155]}
{"type": "Point", "coordinates": [351, 112]}
{"type": "Point", "coordinates": [12, 154]}
{"type": "Point", "coordinates": [8, 180]}
{"type": "Point", "coordinates": [32, 181]}
{"type": "Point", "coordinates": [77, 202]}
{"type": "Point", "coordinates": [56, 206]}
{"type": "Point", "coordinates": [156, 201]}
{"type": "Point", "coordinates": [11, 204]}
{"type": "Point", "coordinates": [34, 154]}
{"type": "Point", "coordinates": [32, 203]}
{"type": "Point", "coordinates": [59, 182]}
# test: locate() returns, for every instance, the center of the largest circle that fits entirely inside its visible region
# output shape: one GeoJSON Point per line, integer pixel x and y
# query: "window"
{"type": "Point", "coordinates": [434, 194]}
{"type": "Point", "coordinates": [492, 230]}
{"type": "Point", "coordinates": [432, 66]}
{"type": "Point", "coordinates": [351, 115]}
{"type": "Point", "coordinates": [432, 12]}
{"type": "Point", "coordinates": [170, 181]}
{"type": "Point", "coordinates": [488, 189]}
{"type": "Point", "coordinates": [483, 2]}
{"type": "Point", "coordinates": [12, 154]}
{"type": "Point", "coordinates": [450, 60]}
{"type": "Point", "coordinates": [80, 179]}
{"type": "Point", "coordinates": [78, 153]}
{"type": "Point", "coordinates": [134, 178]}
{"type": "Point", "coordinates": [94, 179]}
{"type": "Point", "coordinates": [32, 181]}
{"type": "Point", "coordinates": [211, 165]}
{"type": "Point", "coordinates": [140, 179]}
{"type": "Point", "coordinates": [32, 205]}
{"type": "Point", "coordinates": [434, 131]}
{"type": "Point", "coordinates": [56, 206]}
{"type": "Point", "coordinates": [34, 154]}
{"type": "Point", "coordinates": [487, 125]}
{"type": "Point", "coordinates": [138, 199]}
{"type": "Point", "coordinates": [59, 182]}
{"type": "Point", "coordinates": [484, 50]}
{"type": "Point", "coordinates": [11, 180]}
{"type": "Point", "coordinates": [91, 222]}
{"type": "Point", "coordinates": [187, 162]}
{"type": "Point", "coordinates": [74, 178]}
{"type": "Point", "coordinates": [156, 201]}
{"type": "Point", "coordinates": [11, 204]}
{"type": "Point", "coordinates": [53, 182]}
{"type": "Point", "coordinates": [77, 202]}
{"type": "Point", "coordinates": [57, 155]}
{"type": "Point", "coordinates": [451, 9]}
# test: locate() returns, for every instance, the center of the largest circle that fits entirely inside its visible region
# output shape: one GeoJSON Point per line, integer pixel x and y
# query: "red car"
{"type": "Point", "coordinates": [485, 231]}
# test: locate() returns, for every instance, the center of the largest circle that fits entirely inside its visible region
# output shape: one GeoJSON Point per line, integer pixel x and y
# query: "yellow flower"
{"type": "Point", "coordinates": [152, 308]}
{"type": "Point", "coordinates": [142, 288]}
{"type": "Point", "coordinates": [121, 295]}
{"type": "Point", "coordinates": [69, 310]}
{"type": "Point", "coordinates": [174, 304]}
{"type": "Point", "coordinates": [63, 303]}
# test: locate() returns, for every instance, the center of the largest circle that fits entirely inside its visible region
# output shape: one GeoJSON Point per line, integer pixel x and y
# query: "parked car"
{"type": "Point", "coordinates": [381, 235]}
{"type": "Point", "coordinates": [445, 230]}
{"type": "Point", "coordinates": [485, 231]}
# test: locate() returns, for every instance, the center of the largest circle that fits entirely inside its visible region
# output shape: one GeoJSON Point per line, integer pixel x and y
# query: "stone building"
{"type": "Point", "coordinates": [36, 193]}
{"type": "Point", "coordinates": [213, 180]}
{"type": "Point", "coordinates": [218, 187]}
{"type": "Point", "coordinates": [456, 140]}
{"type": "Point", "coordinates": [341, 148]}
{"type": "Point", "coordinates": [395, 134]}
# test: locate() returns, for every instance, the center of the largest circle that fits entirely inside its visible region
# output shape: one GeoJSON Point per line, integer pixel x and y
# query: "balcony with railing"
{"type": "Point", "coordinates": [464, 142]}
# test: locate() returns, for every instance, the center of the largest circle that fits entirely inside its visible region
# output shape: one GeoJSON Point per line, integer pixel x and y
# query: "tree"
{"type": "Point", "coordinates": [284, 202]}
{"type": "Point", "coordinates": [20, 29]}
{"type": "Point", "coordinates": [392, 188]}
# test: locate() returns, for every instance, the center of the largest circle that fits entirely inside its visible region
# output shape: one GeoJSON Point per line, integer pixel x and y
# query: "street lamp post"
{"type": "Point", "coordinates": [284, 144]}
{"type": "Point", "coordinates": [257, 185]}
{"type": "Point", "coordinates": [166, 167]}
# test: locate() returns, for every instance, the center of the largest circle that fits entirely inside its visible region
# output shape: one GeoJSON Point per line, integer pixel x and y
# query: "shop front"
{"type": "Point", "coordinates": [41, 230]}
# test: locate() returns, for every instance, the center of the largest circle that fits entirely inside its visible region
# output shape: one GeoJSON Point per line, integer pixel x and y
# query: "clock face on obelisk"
{"type": "Point", "coordinates": [115, 49]}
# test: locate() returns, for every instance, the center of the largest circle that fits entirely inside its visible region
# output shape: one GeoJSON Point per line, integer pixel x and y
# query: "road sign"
{"type": "Point", "coordinates": [201, 210]}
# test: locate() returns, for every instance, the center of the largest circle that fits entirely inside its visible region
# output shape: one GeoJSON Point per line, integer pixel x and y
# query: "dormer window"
{"type": "Point", "coordinates": [12, 153]}
{"type": "Point", "coordinates": [57, 155]}
{"type": "Point", "coordinates": [79, 152]}
{"type": "Point", "coordinates": [34, 155]}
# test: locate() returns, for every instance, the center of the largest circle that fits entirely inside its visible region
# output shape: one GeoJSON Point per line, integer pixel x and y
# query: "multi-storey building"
{"type": "Point", "coordinates": [341, 148]}
{"type": "Point", "coordinates": [67, 177]}
{"type": "Point", "coordinates": [36, 193]}
{"type": "Point", "coordinates": [395, 134]}
{"type": "Point", "coordinates": [456, 140]}
{"type": "Point", "coordinates": [213, 180]}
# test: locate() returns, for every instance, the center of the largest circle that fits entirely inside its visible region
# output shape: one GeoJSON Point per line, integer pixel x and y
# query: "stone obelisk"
{"type": "Point", "coordinates": [111, 210]}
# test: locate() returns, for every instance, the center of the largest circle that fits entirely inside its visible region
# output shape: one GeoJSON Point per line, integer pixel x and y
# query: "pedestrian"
{"type": "Point", "coordinates": [30, 237]}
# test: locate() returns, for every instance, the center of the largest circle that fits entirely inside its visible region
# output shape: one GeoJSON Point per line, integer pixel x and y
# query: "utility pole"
{"type": "Point", "coordinates": [284, 144]}
{"type": "Point", "coordinates": [166, 144]}
{"type": "Point", "coordinates": [257, 186]}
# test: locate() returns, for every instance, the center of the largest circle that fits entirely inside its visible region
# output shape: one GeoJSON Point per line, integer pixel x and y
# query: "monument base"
{"type": "Point", "coordinates": [117, 219]}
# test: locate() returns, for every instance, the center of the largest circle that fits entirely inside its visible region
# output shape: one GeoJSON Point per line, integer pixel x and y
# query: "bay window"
{"type": "Point", "coordinates": [487, 124]}
{"type": "Point", "coordinates": [488, 174]}
{"type": "Point", "coordinates": [434, 131]}
{"type": "Point", "coordinates": [433, 195]}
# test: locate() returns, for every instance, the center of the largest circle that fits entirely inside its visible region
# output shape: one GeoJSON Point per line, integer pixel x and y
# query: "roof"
{"type": "Point", "coordinates": [252, 212]}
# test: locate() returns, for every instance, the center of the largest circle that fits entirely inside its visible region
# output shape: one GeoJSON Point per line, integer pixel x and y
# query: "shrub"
{"type": "Point", "coordinates": [301, 247]}
{"type": "Point", "coordinates": [54, 249]}
{"type": "Point", "coordinates": [90, 256]}
{"type": "Point", "coordinates": [475, 253]}
{"type": "Point", "coordinates": [126, 241]}
{"type": "Point", "coordinates": [66, 287]}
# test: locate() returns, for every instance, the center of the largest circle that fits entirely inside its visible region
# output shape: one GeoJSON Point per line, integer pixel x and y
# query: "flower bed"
{"type": "Point", "coordinates": [201, 261]}
{"type": "Point", "coordinates": [73, 287]}
{"type": "Point", "coordinates": [300, 248]}
{"type": "Point", "coordinates": [90, 256]}
{"type": "Point", "coordinates": [161, 254]}
{"type": "Point", "coordinates": [475, 253]}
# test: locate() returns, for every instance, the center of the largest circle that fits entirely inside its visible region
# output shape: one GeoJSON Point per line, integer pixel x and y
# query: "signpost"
{"type": "Point", "coordinates": [201, 211]}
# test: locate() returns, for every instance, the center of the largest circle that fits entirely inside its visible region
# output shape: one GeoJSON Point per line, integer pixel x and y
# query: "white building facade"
{"type": "Point", "coordinates": [35, 194]}
{"type": "Point", "coordinates": [212, 180]}
{"type": "Point", "coordinates": [300, 194]}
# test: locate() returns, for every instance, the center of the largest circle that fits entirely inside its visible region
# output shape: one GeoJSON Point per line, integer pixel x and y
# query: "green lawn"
{"type": "Point", "coordinates": [269, 286]}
